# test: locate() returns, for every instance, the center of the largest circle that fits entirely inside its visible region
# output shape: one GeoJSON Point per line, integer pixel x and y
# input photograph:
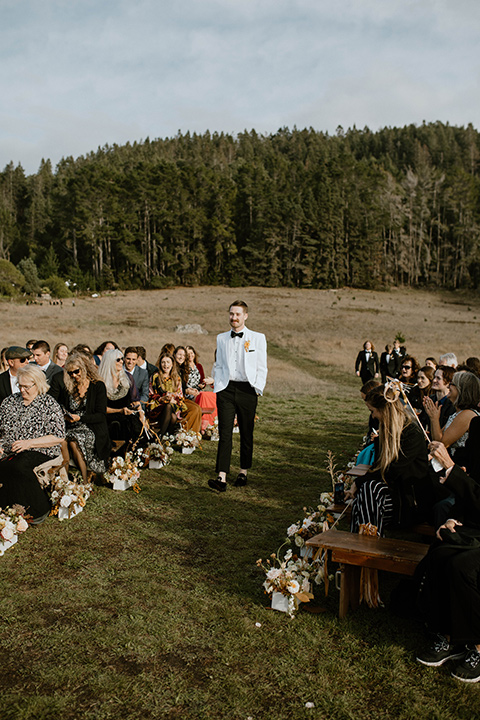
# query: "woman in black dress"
{"type": "Point", "coordinates": [86, 416]}
{"type": "Point", "coordinates": [32, 430]}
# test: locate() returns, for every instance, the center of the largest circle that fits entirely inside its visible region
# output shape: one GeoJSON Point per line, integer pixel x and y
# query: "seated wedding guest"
{"type": "Point", "coordinates": [57, 384]}
{"type": "Point", "coordinates": [166, 402]}
{"type": "Point", "coordinates": [417, 395]}
{"type": "Point", "coordinates": [442, 378]}
{"type": "Point", "coordinates": [397, 490]}
{"type": "Point", "coordinates": [196, 389]}
{"type": "Point", "coordinates": [32, 430]}
{"type": "Point", "coordinates": [449, 359]}
{"type": "Point", "coordinates": [192, 414]}
{"type": "Point", "coordinates": [408, 370]}
{"type": "Point", "coordinates": [473, 364]}
{"type": "Point", "coordinates": [143, 363]}
{"type": "Point", "coordinates": [367, 455]}
{"type": "Point", "coordinates": [366, 364]}
{"type": "Point", "coordinates": [389, 363]}
{"type": "Point", "coordinates": [124, 412]}
{"type": "Point", "coordinates": [41, 355]}
{"type": "Point", "coordinates": [3, 360]}
{"type": "Point", "coordinates": [464, 392]}
{"type": "Point", "coordinates": [449, 591]}
{"type": "Point", "coordinates": [140, 376]}
{"type": "Point", "coordinates": [101, 349]}
{"type": "Point", "coordinates": [60, 352]}
{"type": "Point", "coordinates": [431, 362]}
{"type": "Point", "coordinates": [86, 415]}
{"type": "Point", "coordinates": [17, 357]}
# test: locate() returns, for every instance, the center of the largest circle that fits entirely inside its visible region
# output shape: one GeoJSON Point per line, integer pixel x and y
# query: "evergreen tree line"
{"type": "Point", "coordinates": [297, 208]}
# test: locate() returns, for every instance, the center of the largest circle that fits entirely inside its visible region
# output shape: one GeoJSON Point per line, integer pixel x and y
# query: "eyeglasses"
{"type": "Point", "coordinates": [26, 387]}
{"type": "Point", "coordinates": [119, 359]}
{"type": "Point", "coordinates": [23, 360]}
{"type": "Point", "coordinates": [406, 367]}
{"type": "Point", "coordinates": [72, 373]}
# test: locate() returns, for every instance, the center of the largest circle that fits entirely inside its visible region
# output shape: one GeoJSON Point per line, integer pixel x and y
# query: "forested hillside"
{"type": "Point", "coordinates": [296, 208]}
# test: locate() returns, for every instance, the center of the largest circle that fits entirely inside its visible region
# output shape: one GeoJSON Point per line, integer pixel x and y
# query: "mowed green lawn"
{"type": "Point", "coordinates": [146, 606]}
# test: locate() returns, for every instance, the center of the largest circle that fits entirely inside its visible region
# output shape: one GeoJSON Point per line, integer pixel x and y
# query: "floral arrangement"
{"type": "Point", "coordinates": [160, 451]}
{"type": "Point", "coordinates": [211, 431]}
{"type": "Point", "coordinates": [125, 469]}
{"type": "Point", "coordinates": [141, 456]}
{"type": "Point", "coordinates": [12, 522]}
{"type": "Point", "coordinates": [313, 523]}
{"type": "Point", "coordinates": [187, 439]}
{"type": "Point", "coordinates": [291, 577]}
{"type": "Point", "coordinates": [67, 492]}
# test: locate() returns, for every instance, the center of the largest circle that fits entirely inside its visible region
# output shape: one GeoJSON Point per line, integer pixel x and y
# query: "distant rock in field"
{"type": "Point", "coordinates": [192, 328]}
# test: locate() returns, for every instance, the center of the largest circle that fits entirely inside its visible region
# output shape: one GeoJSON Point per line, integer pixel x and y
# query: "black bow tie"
{"type": "Point", "coordinates": [233, 334]}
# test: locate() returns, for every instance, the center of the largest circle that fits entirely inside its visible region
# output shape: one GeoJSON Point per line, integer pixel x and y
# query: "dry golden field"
{"type": "Point", "coordinates": [329, 326]}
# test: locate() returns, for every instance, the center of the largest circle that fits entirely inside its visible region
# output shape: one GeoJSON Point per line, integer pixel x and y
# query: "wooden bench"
{"type": "Point", "coordinates": [354, 551]}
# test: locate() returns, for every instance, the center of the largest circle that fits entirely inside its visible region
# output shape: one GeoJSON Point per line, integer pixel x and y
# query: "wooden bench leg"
{"type": "Point", "coordinates": [349, 589]}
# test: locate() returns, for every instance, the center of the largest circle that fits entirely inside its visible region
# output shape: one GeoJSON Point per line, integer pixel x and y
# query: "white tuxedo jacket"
{"type": "Point", "coordinates": [255, 348]}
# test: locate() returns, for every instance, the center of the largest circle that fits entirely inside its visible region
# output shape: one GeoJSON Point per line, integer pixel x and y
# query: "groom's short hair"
{"type": "Point", "coordinates": [239, 303]}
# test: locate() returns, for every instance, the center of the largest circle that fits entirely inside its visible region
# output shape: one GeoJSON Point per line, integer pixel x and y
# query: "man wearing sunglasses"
{"type": "Point", "coordinates": [16, 358]}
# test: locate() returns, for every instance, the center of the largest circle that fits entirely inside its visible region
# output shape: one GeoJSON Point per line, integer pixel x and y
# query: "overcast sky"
{"type": "Point", "coordinates": [79, 74]}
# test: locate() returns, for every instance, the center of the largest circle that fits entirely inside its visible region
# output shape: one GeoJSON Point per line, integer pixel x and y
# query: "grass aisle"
{"type": "Point", "coordinates": [145, 606]}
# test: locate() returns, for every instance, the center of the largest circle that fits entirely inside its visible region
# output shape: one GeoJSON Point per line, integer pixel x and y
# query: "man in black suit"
{"type": "Point", "coordinates": [16, 358]}
{"type": "Point", "coordinates": [389, 366]}
{"type": "Point", "coordinates": [399, 351]}
{"type": "Point", "coordinates": [41, 354]}
{"type": "Point", "coordinates": [366, 364]}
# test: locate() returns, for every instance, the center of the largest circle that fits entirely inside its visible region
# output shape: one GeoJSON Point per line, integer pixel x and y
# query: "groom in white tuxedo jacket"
{"type": "Point", "coordinates": [240, 375]}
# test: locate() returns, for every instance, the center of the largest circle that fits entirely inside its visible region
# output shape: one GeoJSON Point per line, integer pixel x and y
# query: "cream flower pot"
{"type": "Point", "coordinates": [279, 602]}
{"type": "Point", "coordinates": [74, 510]}
{"type": "Point", "coordinates": [155, 464]}
{"type": "Point", "coordinates": [120, 485]}
{"type": "Point", "coordinates": [187, 451]}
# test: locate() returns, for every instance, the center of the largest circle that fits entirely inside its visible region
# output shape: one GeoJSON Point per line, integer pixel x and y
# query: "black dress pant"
{"type": "Point", "coordinates": [20, 485]}
{"type": "Point", "coordinates": [240, 399]}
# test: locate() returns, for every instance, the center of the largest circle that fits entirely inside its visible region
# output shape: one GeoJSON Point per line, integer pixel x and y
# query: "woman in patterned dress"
{"type": "Point", "coordinates": [86, 416]}
{"type": "Point", "coordinates": [32, 429]}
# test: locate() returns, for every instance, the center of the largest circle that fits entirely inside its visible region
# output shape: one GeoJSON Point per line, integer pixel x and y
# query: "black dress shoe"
{"type": "Point", "coordinates": [241, 480]}
{"type": "Point", "coordinates": [218, 484]}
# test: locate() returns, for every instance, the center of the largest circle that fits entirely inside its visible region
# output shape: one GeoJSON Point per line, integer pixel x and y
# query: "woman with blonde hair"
{"type": "Point", "coordinates": [86, 415]}
{"type": "Point", "coordinates": [124, 412]}
{"type": "Point", "coordinates": [397, 491]}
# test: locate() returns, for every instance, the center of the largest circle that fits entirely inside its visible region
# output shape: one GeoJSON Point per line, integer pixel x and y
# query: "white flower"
{"type": "Point", "coordinates": [309, 705]}
{"type": "Point", "coordinates": [293, 587]}
{"type": "Point", "coordinates": [305, 585]}
{"type": "Point", "coordinates": [7, 533]}
{"type": "Point", "coordinates": [273, 573]}
{"type": "Point", "coordinates": [299, 541]}
{"type": "Point", "coordinates": [292, 530]}
{"type": "Point", "coordinates": [257, 624]}
{"type": "Point", "coordinates": [288, 555]}
{"type": "Point", "coordinates": [66, 501]}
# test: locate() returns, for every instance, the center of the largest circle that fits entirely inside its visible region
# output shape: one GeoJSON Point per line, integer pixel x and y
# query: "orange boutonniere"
{"type": "Point", "coordinates": [246, 345]}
